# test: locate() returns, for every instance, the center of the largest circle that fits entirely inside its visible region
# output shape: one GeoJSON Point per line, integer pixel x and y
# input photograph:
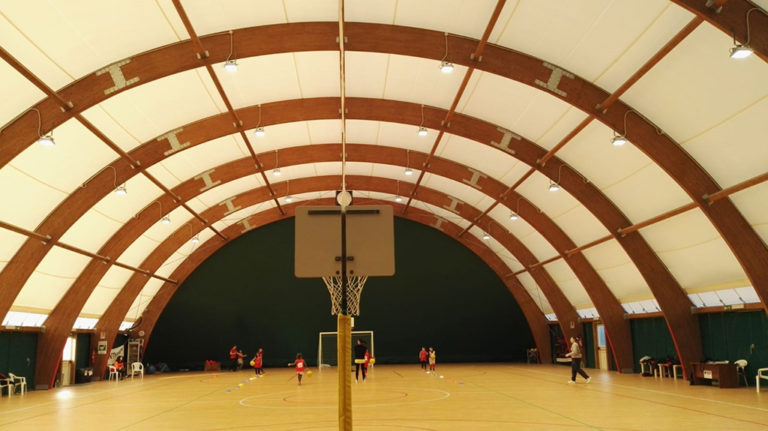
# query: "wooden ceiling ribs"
{"type": "Point", "coordinates": [203, 55]}
{"type": "Point", "coordinates": [535, 318]}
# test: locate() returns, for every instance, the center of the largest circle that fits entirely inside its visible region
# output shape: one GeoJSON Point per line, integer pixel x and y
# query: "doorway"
{"type": "Point", "coordinates": [602, 347]}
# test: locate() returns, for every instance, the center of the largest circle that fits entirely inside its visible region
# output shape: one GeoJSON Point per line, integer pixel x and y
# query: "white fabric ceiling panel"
{"type": "Point", "coordinates": [366, 73]}
{"type": "Point", "coordinates": [381, 11]}
{"type": "Point", "coordinates": [109, 126]}
{"type": "Point", "coordinates": [693, 251]}
{"type": "Point", "coordinates": [160, 231]}
{"type": "Point", "coordinates": [279, 136]}
{"type": "Point", "coordinates": [488, 161]}
{"type": "Point", "coordinates": [467, 194]}
{"type": "Point", "coordinates": [56, 272]}
{"type": "Point", "coordinates": [92, 230]}
{"type": "Point", "coordinates": [617, 270]}
{"type": "Point", "coordinates": [504, 102]}
{"type": "Point", "coordinates": [700, 61]}
{"type": "Point", "coordinates": [143, 299]}
{"type": "Point", "coordinates": [319, 10]}
{"type": "Point", "coordinates": [318, 73]}
{"type": "Point", "coordinates": [363, 132]}
{"type": "Point", "coordinates": [135, 254]}
{"type": "Point", "coordinates": [538, 245]}
{"type": "Point", "coordinates": [406, 136]}
{"type": "Point", "coordinates": [536, 189]}
{"type": "Point", "coordinates": [751, 203]}
{"type": "Point", "coordinates": [568, 283]}
{"type": "Point", "coordinates": [516, 171]}
{"type": "Point", "coordinates": [90, 35]}
{"type": "Point", "coordinates": [63, 166]}
{"type": "Point", "coordinates": [323, 132]}
{"type": "Point", "coordinates": [262, 79]}
{"type": "Point", "coordinates": [18, 189]}
{"type": "Point", "coordinates": [419, 80]}
{"type": "Point", "coordinates": [646, 193]}
{"type": "Point", "coordinates": [9, 243]}
{"type": "Point", "coordinates": [99, 301]}
{"type": "Point", "coordinates": [196, 160]}
{"type": "Point", "coordinates": [519, 228]}
{"type": "Point", "coordinates": [352, 168]}
{"type": "Point", "coordinates": [645, 44]}
{"type": "Point", "coordinates": [581, 226]}
{"type": "Point", "coordinates": [121, 208]}
{"type": "Point", "coordinates": [397, 174]}
{"type": "Point", "coordinates": [218, 194]}
{"type": "Point", "coordinates": [735, 151]}
{"type": "Point", "coordinates": [25, 94]}
{"type": "Point", "coordinates": [453, 16]}
{"type": "Point", "coordinates": [533, 290]}
{"type": "Point", "coordinates": [565, 124]}
{"type": "Point", "coordinates": [512, 262]}
{"type": "Point", "coordinates": [106, 291]}
{"type": "Point", "coordinates": [173, 261]}
{"type": "Point", "coordinates": [161, 106]}
{"type": "Point", "coordinates": [213, 17]}
{"type": "Point", "coordinates": [25, 50]}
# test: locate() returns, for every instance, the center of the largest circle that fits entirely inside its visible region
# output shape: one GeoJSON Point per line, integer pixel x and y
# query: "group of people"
{"type": "Point", "coordinates": [427, 357]}
{"type": "Point", "coordinates": [237, 356]}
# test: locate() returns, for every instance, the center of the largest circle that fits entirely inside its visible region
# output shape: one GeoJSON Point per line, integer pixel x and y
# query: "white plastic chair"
{"type": "Point", "coordinates": [137, 368]}
{"type": "Point", "coordinates": [113, 373]}
{"type": "Point", "coordinates": [8, 384]}
{"type": "Point", "coordinates": [741, 364]}
{"type": "Point", "coordinates": [20, 382]}
{"type": "Point", "coordinates": [762, 374]}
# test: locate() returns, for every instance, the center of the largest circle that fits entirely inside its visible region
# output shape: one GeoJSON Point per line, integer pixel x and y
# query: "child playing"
{"type": "Point", "coordinates": [423, 358]}
{"type": "Point", "coordinates": [432, 357]}
{"type": "Point", "coordinates": [300, 366]}
{"type": "Point", "coordinates": [257, 362]}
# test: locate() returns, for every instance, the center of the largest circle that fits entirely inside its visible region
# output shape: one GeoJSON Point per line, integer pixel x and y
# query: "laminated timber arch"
{"type": "Point", "coordinates": [746, 246]}
{"type": "Point", "coordinates": [741, 27]}
{"type": "Point", "coordinates": [380, 110]}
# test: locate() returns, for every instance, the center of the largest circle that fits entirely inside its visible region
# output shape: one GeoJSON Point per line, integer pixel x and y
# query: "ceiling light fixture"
{"type": "Point", "coordinates": [740, 51]}
{"type": "Point", "coordinates": [555, 185]}
{"type": "Point", "coordinates": [43, 140]}
{"type": "Point", "coordinates": [276, 172]}
{"type": "Point", "coordinates": [259, 131]}
{"type": "Point", "coordinates": [195, 239]}
{"type": "Point", "coordinates": [230, 65]}
{"type": "Point", "coordinates": [620, 139]}
{"type": "Point", "coordinates": [486, 237]}
{"type": "Point", "coordinates": [422, 129]}
{"type": "Point", "coordinates": [121, 190]}
{"type": "Point", "coordinates": [445, 65]}
{"type": "Point", "coordinates": [408, 171]}
{"type": "Point", "coordinates": [165, 220]}
{"type": "Point", "coordinates": [398, 199]}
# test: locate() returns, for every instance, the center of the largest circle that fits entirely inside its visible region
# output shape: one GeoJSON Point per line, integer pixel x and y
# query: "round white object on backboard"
{"type": "Point", "coordinates": [344, 198]}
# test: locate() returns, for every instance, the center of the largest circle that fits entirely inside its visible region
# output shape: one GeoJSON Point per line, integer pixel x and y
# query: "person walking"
{"type": "Point", "coordinates": [575, 355]}
{"type": "Point", "coordinates": [360, 359]}
{"type": "Point", "coordinates": [432, 359]}
{"type": "Point", "coordinates": [423, 358]}
{"type": "Point", "coordinates": [300, 366]}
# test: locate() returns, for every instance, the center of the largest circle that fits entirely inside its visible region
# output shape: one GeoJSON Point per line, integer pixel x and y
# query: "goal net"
{"type": "Point", "coordinates": [327, 342]}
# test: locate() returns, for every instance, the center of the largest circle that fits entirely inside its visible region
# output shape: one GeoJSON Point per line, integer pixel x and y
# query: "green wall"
{"type": "Point", "coordinates": [442, 295]}
{"type": "Point", "coordinates": [18, 351]}
{"type": "Point", "coordinates": [651, 337]}
{"type": "Point", "coordinates": [736, 335]}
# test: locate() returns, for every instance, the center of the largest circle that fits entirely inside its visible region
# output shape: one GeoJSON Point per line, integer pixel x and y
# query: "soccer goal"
{"type": "Point", "coordinates": [327, 342]}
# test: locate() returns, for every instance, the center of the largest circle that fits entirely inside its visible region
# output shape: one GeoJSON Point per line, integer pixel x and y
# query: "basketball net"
{"type": "Point", "coordinates": [336, 289]}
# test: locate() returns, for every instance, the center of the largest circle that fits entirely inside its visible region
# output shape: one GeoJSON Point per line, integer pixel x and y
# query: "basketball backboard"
{"type": "Point", "coordinates": [370, 241]}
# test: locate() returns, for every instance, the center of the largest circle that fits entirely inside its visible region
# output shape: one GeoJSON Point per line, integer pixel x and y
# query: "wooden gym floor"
{"type": "Point", "coordinates": [475, 397]}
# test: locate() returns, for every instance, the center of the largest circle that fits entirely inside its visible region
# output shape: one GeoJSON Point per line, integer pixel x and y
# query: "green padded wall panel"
{"type": "Point", "coordinates": [18, 351]}
{"type": "Point", "coordinates": [651, 337]}
{"type": "Point", "coordinates": [441, 295]}
{"type": "Point", "coordinates": [736, 335]}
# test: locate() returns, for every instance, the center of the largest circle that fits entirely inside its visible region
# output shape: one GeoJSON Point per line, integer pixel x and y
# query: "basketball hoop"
{"type": "Point", "coordinates": [336, 288]}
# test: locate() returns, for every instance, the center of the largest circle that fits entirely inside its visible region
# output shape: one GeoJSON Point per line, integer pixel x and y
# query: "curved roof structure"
{"type": "Point", "coordinates": [138, 100]}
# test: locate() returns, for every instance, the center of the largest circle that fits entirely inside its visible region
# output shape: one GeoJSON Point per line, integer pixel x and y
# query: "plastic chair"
{"type": "Point", "coordinates": [741, 364]}
{"type": "Point", "coordinates": [20, 382]}
{"type": "Point", "coordinates": [8, 384]}
{"type": "Point", "coordinates": [137, 368]}
{"type": "Point", "coordinates": [113, 373]}
{"type": "Point", "coordinates": [762, 374]}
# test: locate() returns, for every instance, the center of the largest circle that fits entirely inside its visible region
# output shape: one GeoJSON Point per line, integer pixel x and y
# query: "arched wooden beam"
{"type": "Point", "coordinates": [214, 127]}
{"type": "Point", "coordinates": [109, 324]}
{"type": "Point", "coordinates": [610, 310]}
{"type": "Point", "coordinates": [731, 19]}
{"type": "Point", "coordinates": [746, 245]}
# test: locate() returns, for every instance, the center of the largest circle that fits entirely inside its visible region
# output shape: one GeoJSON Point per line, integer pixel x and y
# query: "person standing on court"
{"type": "Point", "coordinates": [300, 366]}
{"type": "Point", "coordinates": [360, 351]}
{"type": "Point", "coordinates": [233, 357]}
{"type": "Point", "coordinates": [258, 361]}
{"type": "Point", "coordinates": [432, 359]}
{"type": "Point", "coordinates": [575, 355]}
{"type": "Point", "coordinates": [423, 358]}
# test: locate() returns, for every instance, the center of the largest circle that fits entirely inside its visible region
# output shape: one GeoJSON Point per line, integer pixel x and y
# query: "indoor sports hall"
{"type": "Point", "coordinates": [508, 184]}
